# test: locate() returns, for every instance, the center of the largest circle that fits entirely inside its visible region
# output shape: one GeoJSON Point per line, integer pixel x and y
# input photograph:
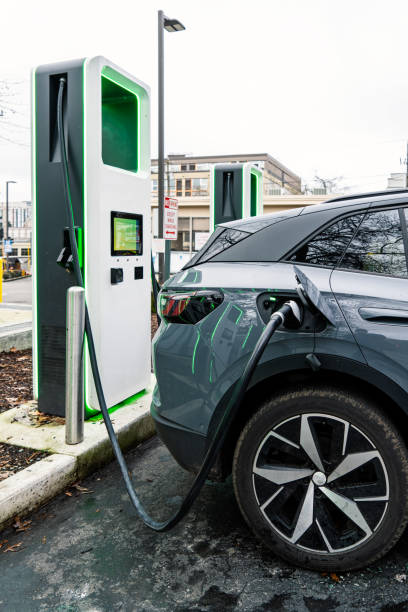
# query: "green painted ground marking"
{"type": "Point", "coordinates": [130, 400]}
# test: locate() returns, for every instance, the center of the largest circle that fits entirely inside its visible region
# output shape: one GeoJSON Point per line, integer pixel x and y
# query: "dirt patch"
{"type": "Point", "coordinates": [16, 384]}
{"type": "Point", "coordinates": [13, 459]}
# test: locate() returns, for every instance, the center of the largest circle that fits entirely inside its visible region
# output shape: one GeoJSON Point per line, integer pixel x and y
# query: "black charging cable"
{"type": "Point", "coordinates": [289, 309]}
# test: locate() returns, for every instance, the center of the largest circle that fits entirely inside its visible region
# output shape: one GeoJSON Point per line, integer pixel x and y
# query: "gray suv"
{"type": "Point", "coordinates": [318, 452]}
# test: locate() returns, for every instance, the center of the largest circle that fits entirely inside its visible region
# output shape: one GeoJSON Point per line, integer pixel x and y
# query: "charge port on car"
{"type": "Point", "coordinates": [269, 302]}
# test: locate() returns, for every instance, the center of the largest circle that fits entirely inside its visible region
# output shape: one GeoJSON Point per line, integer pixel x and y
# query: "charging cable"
{"type": "Point", "coordinates": [289, 309]}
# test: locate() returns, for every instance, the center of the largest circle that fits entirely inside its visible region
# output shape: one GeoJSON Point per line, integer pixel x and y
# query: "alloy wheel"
{"type": "Point", "coordinates": [321, 483]}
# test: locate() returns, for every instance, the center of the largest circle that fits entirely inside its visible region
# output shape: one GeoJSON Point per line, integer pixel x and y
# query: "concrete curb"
{"type": "Point", "coordinates": [29, 488]}
{"type": "Point", "coordinates": [22, 339]}
{"type": "Point", "coordinates": [36, 484]}
{"type": "Point", "coordinates": [16, 278]}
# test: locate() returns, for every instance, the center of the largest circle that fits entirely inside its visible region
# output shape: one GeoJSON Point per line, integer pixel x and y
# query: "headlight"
{"type": "Point", "coordinates": [188, 307]}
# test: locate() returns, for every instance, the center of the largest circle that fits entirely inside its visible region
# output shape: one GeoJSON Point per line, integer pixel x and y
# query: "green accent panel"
{"type": "Point", "coordinates": [97, 415]}
{"type": "Point", "coordinates": [34, 238]}
{"type": "Point", "coordinates": [254, 194]}
{"type": "Point", "coordinates": [120, 121]}
{"type": "Point", "coordinates": [255, 191]}
{"type": "Point", "coordinates": [80, 243]}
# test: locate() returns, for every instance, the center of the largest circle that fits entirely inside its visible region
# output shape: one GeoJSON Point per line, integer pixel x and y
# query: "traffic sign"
{"type": "Point", "coordinates": [170, 218]}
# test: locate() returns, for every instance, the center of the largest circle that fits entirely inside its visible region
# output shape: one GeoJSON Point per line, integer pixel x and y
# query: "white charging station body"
{"type": "Point", "coordinates": [107, 125]}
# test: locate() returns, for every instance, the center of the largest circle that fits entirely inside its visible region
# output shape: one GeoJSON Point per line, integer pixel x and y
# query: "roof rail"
{"type": "Point", "coordinates": [369, 194]}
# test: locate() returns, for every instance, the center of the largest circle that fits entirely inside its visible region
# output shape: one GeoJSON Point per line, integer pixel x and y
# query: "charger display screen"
{"type": "Point", "coordinates": [126, 234]}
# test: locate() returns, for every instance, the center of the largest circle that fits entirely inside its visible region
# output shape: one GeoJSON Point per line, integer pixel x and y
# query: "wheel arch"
{"type": "Point", "coordinates": [292, 372]}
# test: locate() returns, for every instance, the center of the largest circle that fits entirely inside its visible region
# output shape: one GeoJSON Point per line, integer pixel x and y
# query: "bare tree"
{"type": "Point", "coordinates": [13, 113]}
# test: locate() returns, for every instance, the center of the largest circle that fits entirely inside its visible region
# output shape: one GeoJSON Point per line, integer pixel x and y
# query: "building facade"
{"type": "Point", "coordinates": [187, 178]}
{"type": "Point", "coordinates": [20, 227]}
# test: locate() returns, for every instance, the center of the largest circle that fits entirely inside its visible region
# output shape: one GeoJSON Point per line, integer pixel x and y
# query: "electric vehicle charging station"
{"type": "Point", "coordinates": [107, 137]}
{"type": "Point", "coordinates": [236, 193]}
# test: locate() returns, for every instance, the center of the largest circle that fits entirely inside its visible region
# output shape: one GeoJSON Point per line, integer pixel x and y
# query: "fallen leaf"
{"type": "Point", "coordinates": [32, 456]}
{"type": "Point", "coordinates": [13, 350]}
{"type": "Point", "coordinates": [23, 358]}
{"type": "Point", "coordinates": [44, 539]}
{"type": "Point", "coordinates": [334, 577]}
{"type": "Point", "coordinates": [12, 547]}
{"type": "Point", "coordinates": [3, 542]}
{"type": "Point", "coordinates": [97, 510]}
{"type": "Point", "coordinates": [68, 493]}
{"type": "Point", "coordinates": [20, 525]}
{"type": "Point", "coordinates": [81, 489]}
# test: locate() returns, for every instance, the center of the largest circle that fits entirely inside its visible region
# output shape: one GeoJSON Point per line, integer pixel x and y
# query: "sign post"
{"type": "Point", "coordinates": [170, 221]}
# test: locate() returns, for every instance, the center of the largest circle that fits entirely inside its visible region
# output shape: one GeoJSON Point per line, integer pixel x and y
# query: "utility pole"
{"type": "Point", "coordinates": [6, 234]}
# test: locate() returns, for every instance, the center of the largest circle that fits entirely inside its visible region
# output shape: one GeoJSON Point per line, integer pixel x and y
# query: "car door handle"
{"type": "Point", "coordinates": [384, 315]}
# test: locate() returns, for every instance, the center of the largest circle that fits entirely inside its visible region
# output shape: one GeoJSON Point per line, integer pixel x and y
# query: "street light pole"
{"type": "Point", "coordinates": [171, 25]}
{"type": "Point", "coordinates": [160, 185]}
{"type": "Point", "coordinates": [6, 231]}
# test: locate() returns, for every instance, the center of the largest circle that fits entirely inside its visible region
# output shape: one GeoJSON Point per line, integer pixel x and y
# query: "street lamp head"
{"type": "Point", "coordinates": [173, 25]}
{"type": "Point", "coordinates": [9, 182]}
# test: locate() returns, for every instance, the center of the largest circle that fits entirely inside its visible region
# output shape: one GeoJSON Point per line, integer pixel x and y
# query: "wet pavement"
{"type": "Point", "coordinates": [88, 552]}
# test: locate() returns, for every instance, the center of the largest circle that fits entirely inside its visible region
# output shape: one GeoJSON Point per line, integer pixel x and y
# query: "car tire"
{"type": "Point", "coordinates": [321, 477]}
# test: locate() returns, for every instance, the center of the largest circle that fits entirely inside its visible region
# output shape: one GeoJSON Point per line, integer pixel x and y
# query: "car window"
{"type": "Point", "coordinates": [378, 245]}
{"type": "Point", "coordinates": [327, 248]}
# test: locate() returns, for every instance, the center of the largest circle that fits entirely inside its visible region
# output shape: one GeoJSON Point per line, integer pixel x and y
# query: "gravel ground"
{"type": "Point", "coordinates": [13, 459]}
{"type": "Point", "coordinates": [15, 388]}
{"type": "Point", "coordinates": [16, 385]}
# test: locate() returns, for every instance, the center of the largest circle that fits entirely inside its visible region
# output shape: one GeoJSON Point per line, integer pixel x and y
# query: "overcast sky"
{"type": "Point", "coordinates": [322, 85]}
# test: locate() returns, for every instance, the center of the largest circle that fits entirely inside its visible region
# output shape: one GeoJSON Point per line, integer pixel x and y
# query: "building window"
{"type": "Point", "coordinates": [272, 189]}
{"type": "Point", "coordinates": [179, 187]}
{"type": "Point", "coordinates": [191, 166]}
{"type": "Point", "coordinates": [183, 235]}
{"type": "Point", "coordinates": [154, 185]}
{"type": "Point", "coordinates": [14, 252]}
{"type": "Point", "coordinates": [200, 186]}
{"type": "Point", "coordinates": [201, 225]}
{"type": "Point", "coordinates": [187, 188]}
{"type": "Point", "coordinates": [24, 252]}
{"type": "Point", "coordinates": [183, 167]}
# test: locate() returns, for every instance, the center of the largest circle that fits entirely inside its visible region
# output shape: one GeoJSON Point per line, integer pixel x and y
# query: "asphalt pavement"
{"type": "Point", "coordinates": [87, 551]}
{"type": "Point", "coordinates": [18, 292]}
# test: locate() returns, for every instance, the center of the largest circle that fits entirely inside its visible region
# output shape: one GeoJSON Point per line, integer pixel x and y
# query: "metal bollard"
{"type": "Point", "coordinates": [74, 379]}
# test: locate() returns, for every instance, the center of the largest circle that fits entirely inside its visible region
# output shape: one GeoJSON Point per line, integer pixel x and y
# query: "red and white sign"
{"type": "Point", "coordinates": [170, 219]}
